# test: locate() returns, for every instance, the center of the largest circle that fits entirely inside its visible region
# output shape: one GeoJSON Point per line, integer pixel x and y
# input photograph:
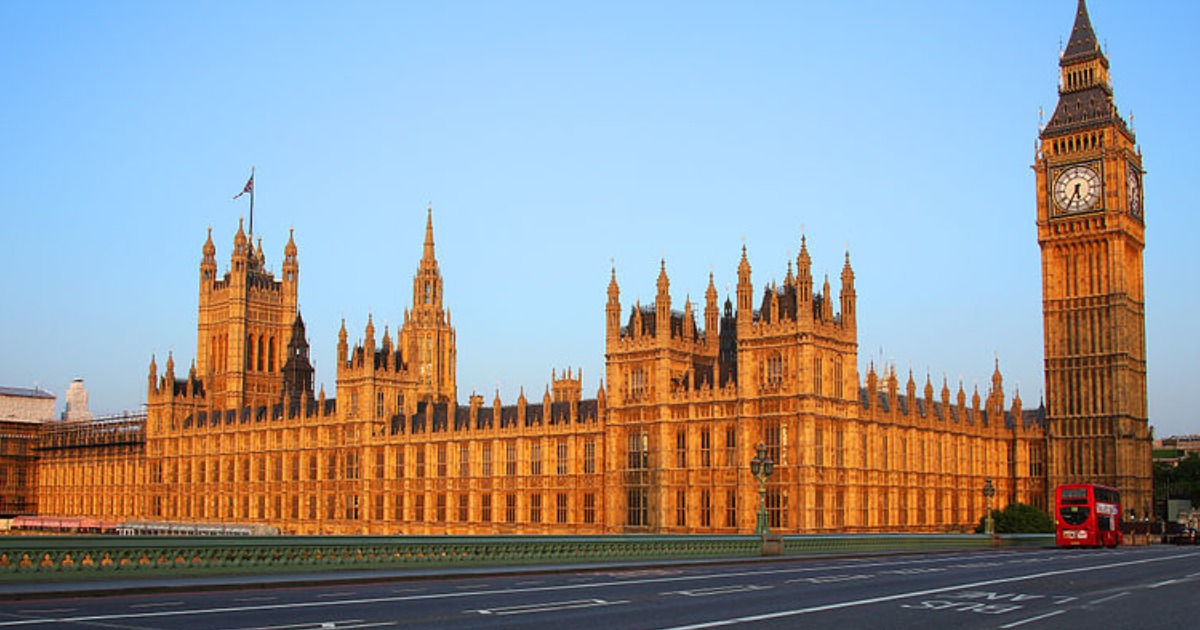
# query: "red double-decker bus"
{"type": "Point", "coordinates": [1087, 515]}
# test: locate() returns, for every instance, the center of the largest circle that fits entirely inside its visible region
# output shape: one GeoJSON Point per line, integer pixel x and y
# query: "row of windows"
{"type": "Point", "coordinates": [707, 508]}
{"type": "Point", "coordinates": [830, 508]}
{"type": "Point", "coordinates": [638, 449]}
{"type": "Point", "coordinates": [1080, 78]}
{"type": "Point", "coordinates": [828, 449]}
{"type": "Point", "coordinates": [353, 508]}
{"type": "Point", "coordinates": [347, 465]}
{"type": "Point", "coordinates": [923, 452]}
{"type": "Point", "coordinates": [1078, 142]}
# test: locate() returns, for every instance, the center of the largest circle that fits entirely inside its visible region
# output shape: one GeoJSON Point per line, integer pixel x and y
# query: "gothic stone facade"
{"type": "Point", "coordinates": [665, 444]}
{"type": "Point", "coordinates": [1092, 232]}
{"type": "Point", "coordinates": [663, 448]}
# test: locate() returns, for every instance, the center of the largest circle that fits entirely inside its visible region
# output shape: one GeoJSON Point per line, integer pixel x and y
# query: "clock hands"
{"type": "Point", "coordinates": [1076, 189]}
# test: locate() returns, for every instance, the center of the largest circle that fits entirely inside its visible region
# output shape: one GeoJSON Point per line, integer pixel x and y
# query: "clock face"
{"type": "Point", "coordinates": [1077, 189]}
{"type": "Point", "coordinates": [1133, 189]}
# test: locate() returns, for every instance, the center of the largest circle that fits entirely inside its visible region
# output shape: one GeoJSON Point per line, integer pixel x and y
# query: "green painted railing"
{"type": "Point", "coordinates": [84, 557]}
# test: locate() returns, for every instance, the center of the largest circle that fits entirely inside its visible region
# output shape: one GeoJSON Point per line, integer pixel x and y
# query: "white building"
{"type": "Point", "coordinates": [22, 404]}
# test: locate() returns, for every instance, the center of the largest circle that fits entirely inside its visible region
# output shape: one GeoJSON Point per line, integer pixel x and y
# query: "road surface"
{"type": "Point", "coordinates": [1142, 587]}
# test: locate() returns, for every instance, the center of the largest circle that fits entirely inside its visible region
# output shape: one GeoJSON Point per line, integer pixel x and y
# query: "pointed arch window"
{"type": "Point", "coordinates": [637, 384]}
{"type": "Point", "coordinates": [775, 369]}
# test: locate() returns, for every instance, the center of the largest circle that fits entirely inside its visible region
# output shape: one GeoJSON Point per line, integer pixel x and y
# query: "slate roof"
{"type": "Point", "coordinates": [1089, 106]}
{"type": "Point", "coordinates": [1083, 39]}
{"type": "Point", "coordinates": [1084, 108]}
{"type": "Point", "coordinates": [25, 392]}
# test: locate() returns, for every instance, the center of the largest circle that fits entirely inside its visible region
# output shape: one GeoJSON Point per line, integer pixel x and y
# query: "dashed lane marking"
{"type": "Point", "coordinates": [1031, 619]}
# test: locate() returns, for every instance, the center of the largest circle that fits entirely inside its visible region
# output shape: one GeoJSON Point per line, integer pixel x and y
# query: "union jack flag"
{"type": "Point", "coordinates": [249, 188]}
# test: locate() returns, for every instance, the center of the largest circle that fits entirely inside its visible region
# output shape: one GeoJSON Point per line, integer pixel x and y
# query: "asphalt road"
{"type": "Point", "coordinates": [1130, 587]}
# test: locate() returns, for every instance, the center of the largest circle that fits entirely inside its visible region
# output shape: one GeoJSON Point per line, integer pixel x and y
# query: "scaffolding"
{"type": "Point", "coordinates": [127, 429]}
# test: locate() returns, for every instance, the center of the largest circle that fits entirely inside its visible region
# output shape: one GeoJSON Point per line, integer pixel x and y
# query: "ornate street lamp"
{"type": "Point", "coordinates": [761, 467]}
{"type": "Point", "coordinates": [989, 491]}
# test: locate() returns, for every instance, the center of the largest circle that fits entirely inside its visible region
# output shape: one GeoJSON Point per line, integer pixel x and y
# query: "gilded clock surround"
{"type": "Point", "coordinates": [1077, 188]}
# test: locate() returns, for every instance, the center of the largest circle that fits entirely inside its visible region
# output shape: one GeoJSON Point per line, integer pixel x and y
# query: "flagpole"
{"type": "Point", "coordinates": [252, 206]}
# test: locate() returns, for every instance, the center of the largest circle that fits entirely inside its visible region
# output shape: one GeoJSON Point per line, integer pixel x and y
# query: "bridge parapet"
{"type": "Point", "coordinates": [82, 557]}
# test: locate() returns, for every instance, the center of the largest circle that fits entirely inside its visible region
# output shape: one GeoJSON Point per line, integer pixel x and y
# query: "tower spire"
{"type": "Point", "coordinates": [1083, 38]}
{"type": "Point", "coordinates": [1089, 165]}
{"type": "Point", "coordinates": [428, 255]}
{"type": "Point", "coordinates": [1085, 92]}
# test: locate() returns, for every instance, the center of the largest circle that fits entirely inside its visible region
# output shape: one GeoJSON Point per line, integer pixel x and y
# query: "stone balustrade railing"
{"type": "Point", "coordinates": [82, 557]}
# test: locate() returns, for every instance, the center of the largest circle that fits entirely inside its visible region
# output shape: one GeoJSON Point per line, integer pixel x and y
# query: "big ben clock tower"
{"type": "Point", "coordinates": [1091, 231]}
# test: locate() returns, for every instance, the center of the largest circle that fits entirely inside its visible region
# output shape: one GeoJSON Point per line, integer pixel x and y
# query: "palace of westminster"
{"type": "Point", "coordinates": [665, 443]}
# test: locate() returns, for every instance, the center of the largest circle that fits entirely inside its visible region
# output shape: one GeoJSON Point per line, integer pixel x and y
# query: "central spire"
{"type": "Point", "coordinates": [428, 255]}
{"type": "Point", "coordinates": [427, 284]}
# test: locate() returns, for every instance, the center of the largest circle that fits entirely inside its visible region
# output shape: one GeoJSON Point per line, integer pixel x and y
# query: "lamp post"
{"type": "Point", "coordinates": [989, 491]}
{"type": "Point", "coordinates": [761, 467]}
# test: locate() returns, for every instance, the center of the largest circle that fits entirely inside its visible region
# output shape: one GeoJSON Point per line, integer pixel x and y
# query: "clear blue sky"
{"type": "Point", "coordinates": [551, 139]}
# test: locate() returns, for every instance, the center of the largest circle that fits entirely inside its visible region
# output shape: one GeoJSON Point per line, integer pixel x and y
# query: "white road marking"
{"type": "Point", "coordinates": [343, 594]}
{"type": "Point", "coordinates": [254, 599]}
{"type": "Point", "coordinates": [1163, 583]}
{"type": "Point", "coordinates": [718, 590]}
{"type": "Point", "coordinates": [44, 611]}
{"type": "Point", "coordinates": [156, 604]}
{"type": "Point", "coordinates": [898, 596]}
{"type": "Point", "coordinates": [1039, 617]}
{"type": "Point", "coordinates": [829, 579]}
{"type": "Point", "coordinates": [344, 624]}
{"type": "Point", "coordinates": [1109, 598]}
{"type": "Point", "coordinates": [525, 609]}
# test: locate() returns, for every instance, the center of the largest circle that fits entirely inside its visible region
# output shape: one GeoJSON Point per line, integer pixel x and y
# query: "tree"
{"type": "Point", "coordinates": [1019, 518]}
{"type": "Point", "coordinates": [1178, 479]}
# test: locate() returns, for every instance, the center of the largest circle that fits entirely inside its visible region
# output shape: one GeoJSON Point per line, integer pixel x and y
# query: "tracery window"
{"type": "Point", "coordinates": [561, 458]}
{"type": "Point", "coordinates": [589, 456]}
{"type": "Point", "coordinates": [535, 459]}
{"type": "Point", "coordinates": [589, 507]}
{"type": "Point", "coordinates": [637, 384]}
{"type": "Point", "coordinates": [775, 369]}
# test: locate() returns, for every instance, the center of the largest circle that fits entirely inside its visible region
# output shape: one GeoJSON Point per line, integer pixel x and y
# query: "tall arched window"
{"type": "Point", "coordinates": [637, 384]}
{"type": "Point", "coordinates": [775, 369]}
